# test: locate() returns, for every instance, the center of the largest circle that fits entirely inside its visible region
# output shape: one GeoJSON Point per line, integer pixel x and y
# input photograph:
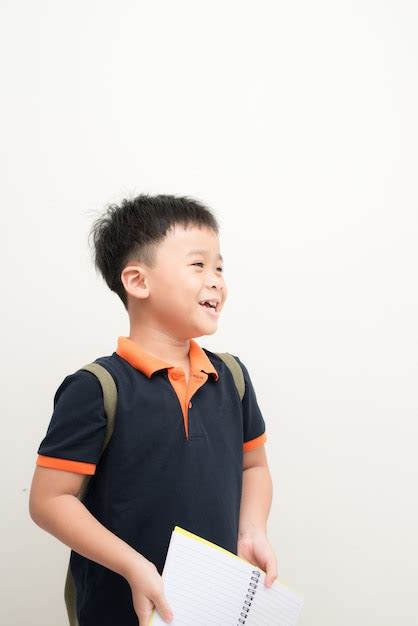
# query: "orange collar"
{"type": "Point", "coordinates": [148, 364]}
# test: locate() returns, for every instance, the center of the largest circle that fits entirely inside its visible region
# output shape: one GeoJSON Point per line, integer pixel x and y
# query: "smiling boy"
{"type": "Point", "coordinates": [185, 449]}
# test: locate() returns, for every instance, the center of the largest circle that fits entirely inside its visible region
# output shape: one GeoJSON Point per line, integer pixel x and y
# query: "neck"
{"type": "Point", "coordinates": [160, 344]}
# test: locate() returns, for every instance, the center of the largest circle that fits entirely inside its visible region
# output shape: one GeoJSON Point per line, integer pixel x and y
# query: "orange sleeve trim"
{"type": "Point", "coordinates": [254, 443]}
{"type": "Point", "coordinates": [64, 464]}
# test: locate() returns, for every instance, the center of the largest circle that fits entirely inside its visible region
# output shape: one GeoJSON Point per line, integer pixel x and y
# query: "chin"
{"type": "Point", "coordinates": [203, 333]}
{"type": "Point", "coordinates": [213, 331]}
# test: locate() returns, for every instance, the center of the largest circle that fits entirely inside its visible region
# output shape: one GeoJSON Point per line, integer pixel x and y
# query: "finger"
{"type": "Point", "coordinates": [163, 608]}
{"type": "Point", "coordinates": [271, 573]}
{"type": "Point", "coordinates": [271, 577]}
{"type": "Point", "coordinates": [144, 617]}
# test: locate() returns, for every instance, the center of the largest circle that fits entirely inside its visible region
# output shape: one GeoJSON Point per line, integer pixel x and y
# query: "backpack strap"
{"type": "Point", "coordinates": [110, 394]}
{"type": "Point", "coordinates": [236, 371]}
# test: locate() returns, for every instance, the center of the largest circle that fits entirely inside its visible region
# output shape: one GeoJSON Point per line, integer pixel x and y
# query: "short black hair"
{"type": "Point", "coordinates": [135, 226]}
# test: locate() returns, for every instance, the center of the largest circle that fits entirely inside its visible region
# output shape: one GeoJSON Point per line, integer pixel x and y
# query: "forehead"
{"type": "Point", "coordinates": [182, 241]}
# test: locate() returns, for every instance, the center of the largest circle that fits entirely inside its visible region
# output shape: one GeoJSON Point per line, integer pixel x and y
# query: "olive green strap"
{"type": "Point", "coordinates": [110, 395]}
{"type": "Point", "coordinates": [109, 400]}
{"type": "Point", "coordinates": [236, 371]}
{"type": "Point", "coordinates": [70, 597]}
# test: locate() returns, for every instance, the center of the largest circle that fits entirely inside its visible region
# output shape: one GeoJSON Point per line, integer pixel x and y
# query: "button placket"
{"type": "Point", "coordinates": [177, 379]}
{"type": "Point", "coordinates": [178, 382]}
{"type": "Point", "coordinates": [197, 380]}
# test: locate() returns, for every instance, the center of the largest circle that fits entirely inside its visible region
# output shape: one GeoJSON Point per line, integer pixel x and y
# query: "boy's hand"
{"type": "Point", "coordinates": [255, 548]}
{"type": "Point", "coordinates": [147, 591]}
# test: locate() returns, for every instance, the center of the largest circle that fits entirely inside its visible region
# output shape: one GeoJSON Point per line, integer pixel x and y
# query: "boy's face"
{"type": "Point", "coordinates": [188, 271]}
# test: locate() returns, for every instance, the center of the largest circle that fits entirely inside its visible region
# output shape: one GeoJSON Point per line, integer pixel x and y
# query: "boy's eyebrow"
{"type": "Point", "coordinates": [203, 252]}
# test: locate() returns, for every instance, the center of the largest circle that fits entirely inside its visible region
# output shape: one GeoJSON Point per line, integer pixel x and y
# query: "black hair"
{"type": "Point", "coordinates": [135, 227]}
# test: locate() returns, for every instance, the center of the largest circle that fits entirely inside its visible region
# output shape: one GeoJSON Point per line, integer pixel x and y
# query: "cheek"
{"type": "Point", "coordinates": [180, 289]}
{"type": "Point", "coordinates": [186, 288]}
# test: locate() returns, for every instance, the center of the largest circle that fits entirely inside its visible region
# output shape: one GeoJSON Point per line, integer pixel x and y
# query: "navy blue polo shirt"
{"type": "Point", "coordinates": [175, 458]}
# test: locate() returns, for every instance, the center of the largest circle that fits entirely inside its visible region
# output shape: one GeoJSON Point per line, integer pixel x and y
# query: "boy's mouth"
{"type": "Point", "coordinates": [211, 307]}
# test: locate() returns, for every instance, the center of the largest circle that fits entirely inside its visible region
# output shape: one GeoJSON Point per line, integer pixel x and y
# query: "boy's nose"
{"type": "Point", "coordinates": [216, 281]}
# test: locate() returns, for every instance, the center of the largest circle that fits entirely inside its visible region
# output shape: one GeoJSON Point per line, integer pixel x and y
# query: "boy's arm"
{"type": "Point", "coordinates": [54, 506]}
{"type": "Point", "coordinates": [257, 492]}
{"type": "Point", "coordinates": [257, 487]}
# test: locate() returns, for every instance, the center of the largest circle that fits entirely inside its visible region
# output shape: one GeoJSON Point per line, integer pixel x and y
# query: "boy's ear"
{"type": "Point", "coordinates": [135, 280]}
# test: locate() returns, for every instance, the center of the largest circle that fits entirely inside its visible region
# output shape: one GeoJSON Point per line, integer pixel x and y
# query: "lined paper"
{"type": "Point", "coordinates": [206, 585]}
{"type": "Point", "coordinates": [276, 605]}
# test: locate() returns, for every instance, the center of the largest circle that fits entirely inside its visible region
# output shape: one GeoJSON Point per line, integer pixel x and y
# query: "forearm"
{"type": "Point", "coordinates": [256, 499]}
{"type": "Point", "coordinates": [67, 518]}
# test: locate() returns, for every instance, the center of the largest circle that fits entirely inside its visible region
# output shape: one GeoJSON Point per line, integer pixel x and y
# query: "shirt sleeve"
{"type": "Point", "coordinates": [77, 428]}
{"type": "Point", "coordinates": [254, 426]}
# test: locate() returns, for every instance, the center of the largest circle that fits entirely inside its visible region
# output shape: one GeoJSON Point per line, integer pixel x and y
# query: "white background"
{"type": "Point", "coordinates": [296, 122]}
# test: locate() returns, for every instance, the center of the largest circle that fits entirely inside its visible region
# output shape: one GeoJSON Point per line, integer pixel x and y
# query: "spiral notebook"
{"type": "Point", "coordinates": [206, 585]}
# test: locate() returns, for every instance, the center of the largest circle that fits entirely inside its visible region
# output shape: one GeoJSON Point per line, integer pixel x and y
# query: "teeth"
{"type": "Point", "coordinates": [213, 303]}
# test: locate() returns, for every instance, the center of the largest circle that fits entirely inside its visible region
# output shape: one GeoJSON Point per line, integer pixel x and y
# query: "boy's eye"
{"type": "Point", "coordinates": [201, 263]}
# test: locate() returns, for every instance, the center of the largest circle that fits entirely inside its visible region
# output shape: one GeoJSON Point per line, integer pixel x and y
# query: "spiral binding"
{"type": "Point", "coordinates": [250, 596]}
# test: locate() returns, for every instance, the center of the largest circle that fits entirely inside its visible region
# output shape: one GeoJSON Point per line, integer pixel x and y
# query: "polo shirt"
{"type": "Point", "coordinates": [175, 458]}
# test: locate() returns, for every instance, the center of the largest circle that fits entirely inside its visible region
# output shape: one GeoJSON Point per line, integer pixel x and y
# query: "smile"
{"type": "Point", "coordinates": [210, 310]}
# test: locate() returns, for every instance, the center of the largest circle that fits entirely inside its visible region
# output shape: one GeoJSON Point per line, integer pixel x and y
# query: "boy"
{"type": "Point", "coordinates": [184, 451]}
